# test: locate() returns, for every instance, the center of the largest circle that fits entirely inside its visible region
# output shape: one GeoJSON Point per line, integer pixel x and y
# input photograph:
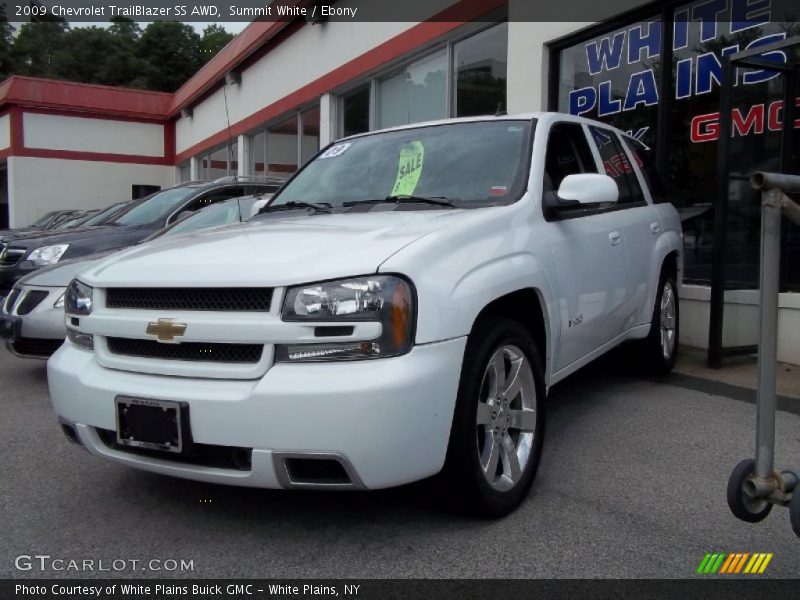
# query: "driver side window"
{"type": "Point", "coordinates": [567, 153]}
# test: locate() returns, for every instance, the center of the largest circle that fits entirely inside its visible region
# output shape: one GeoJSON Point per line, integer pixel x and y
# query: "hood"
{"type": "Point", "coordinates": [59, 275]}
{"type": "Point", "coordinates": [36, 234]}
{"type": "Point", "coordinates": [272, 251]}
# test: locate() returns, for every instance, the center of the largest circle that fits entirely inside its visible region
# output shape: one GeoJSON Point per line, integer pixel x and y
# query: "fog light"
{"type": "Point", "coordinates": [333, 351]}
{"type": "Point", "coordinates": [83, 340]}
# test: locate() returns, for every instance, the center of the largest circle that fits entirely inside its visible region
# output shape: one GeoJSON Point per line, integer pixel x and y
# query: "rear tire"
{"type": "Point", "coordinates": [498, 423]}
{"type": "Point", "coordinates": [659, 350]}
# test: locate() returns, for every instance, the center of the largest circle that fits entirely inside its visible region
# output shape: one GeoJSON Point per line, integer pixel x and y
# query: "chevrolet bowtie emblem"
{"type": "Point", "coordinates": [166, 330]}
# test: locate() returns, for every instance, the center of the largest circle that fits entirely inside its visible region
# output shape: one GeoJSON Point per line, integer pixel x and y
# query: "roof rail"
{"type": "Point", "coordinates": [257, 178]}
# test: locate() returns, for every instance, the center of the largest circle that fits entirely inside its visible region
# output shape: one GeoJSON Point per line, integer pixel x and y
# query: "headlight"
{"type": "Point", "coordinates": [60, 302]}
{"type": "Point", "coordinates": [386, 299]}
{"type": "Point", "coordinates": [47, 255]}
{"type": "Point", "coordinates": [78, 298]}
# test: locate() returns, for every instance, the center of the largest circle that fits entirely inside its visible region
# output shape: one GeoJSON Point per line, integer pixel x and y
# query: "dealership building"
{"type": "Point", "coordinates": [281, 90]}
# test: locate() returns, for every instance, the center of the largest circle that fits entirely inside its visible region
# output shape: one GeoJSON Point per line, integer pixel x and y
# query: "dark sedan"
{"type": "Point", "coordinates": [27, 254]}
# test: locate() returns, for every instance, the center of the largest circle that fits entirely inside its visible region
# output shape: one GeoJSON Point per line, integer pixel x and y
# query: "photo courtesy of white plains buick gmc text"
{"type": "Point", "coordinates": [397, 311]}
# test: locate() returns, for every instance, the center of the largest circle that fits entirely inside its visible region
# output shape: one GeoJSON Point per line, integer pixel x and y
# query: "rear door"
{"type": "Point", "coordinates": [635, 219]}
{"type": "Point", "coordinates": [588, 254]}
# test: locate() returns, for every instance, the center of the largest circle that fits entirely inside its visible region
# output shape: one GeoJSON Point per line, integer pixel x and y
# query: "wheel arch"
{"type": "Point", "coordinates": [526, 306]}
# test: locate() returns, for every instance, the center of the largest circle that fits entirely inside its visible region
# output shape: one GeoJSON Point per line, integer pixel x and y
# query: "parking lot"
{"type": "Point", "coordinates": [632, 484]}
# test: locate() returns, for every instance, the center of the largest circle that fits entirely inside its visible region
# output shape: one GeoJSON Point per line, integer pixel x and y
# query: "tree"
{"type": "Point", "coordinates": [6, 39]}
{"type": "Point", "coordinates": [215, 38]}
{"type": "Point", "coordinates": [34, 50]}
{"type": "Point", "coordinates": [172, 51]}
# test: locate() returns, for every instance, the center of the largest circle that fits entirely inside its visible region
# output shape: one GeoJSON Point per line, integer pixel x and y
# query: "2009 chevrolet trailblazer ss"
{"type": "Point", "coordinates": [397, 311]}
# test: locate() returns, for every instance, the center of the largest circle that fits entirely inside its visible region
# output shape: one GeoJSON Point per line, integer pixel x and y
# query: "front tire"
{"type": "Point", "coordinates": [498, 424]}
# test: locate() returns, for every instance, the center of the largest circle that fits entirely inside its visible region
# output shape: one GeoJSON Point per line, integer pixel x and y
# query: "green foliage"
{"type": "Point", "coordinates": [160, 57]}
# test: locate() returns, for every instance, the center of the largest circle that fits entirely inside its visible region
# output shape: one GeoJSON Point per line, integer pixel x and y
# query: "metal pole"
{"type": "Point", "coordinates": [717, 303]}
{"type": "Point", "coordinates": [768, 342]}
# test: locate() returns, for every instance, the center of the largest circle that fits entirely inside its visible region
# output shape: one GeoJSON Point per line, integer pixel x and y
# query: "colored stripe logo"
{"type": "Point", "coordinates": [734, 563]}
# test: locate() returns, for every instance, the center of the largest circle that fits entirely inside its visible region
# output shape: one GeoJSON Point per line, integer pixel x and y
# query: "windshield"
{"type": "Point", "coordinates": [75, 221]}
{"type": "Point", "coordinates": [159, 206]}
{"type": "Point", "coordinates": [45, 219]}
{"type": "Point", "coordinates": [472, 164]}
{"type": "Point", "coordinates": [223, 213]}
{"type": "Point", "coordinates": [104, 214]}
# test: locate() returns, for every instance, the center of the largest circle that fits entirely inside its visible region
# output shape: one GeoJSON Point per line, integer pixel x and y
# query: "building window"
{"type": "Point", "coordinates": [466, 77]}
{"type": "Point", "coordinates": [479, 72]}
{"type": "Point", "coordinates": [282, 148]}
{"type": "Point", "coordinates": [355, 111]}
{"type": "Point", "coordinates": [184, 172]}
{"type": "Point", "coordinates": [417, 93]}
{"type": "Point", "coordinates": [309, 143]}
{"type": "Point", "coordinates": [220, 162]}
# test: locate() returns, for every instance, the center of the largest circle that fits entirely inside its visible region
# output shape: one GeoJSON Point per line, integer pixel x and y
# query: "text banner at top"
{"type": "Point", "coordinates": [321, 11]}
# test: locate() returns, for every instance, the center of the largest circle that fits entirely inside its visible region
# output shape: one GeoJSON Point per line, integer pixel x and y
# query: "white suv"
{"type": "Point", "coordinates": [397, 311]}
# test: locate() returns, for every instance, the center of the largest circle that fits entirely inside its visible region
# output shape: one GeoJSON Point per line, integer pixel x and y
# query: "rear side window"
{"type": "Point", "coordinates": [646, 161]}
{"type": "Point", "coordinates": [617, 165]}
{"type": "Point", "coordinates": [568, 153]}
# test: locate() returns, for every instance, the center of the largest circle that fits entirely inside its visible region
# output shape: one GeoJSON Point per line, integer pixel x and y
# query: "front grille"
{"type": "Point", "coordinates": [213, 299]}
{"type": "Point", "coordinates": [193, 351]}
{"type": "Point", "coordinates": [30, 301]}
{"type": "Point", "coordinates": [203, 455]}
{"type": "Point", "coordinates": [316, 470]}
{"type": "Point", "coordinates": [10, 299]}
{"type": "Point", "coordinates": [36, 347]}
{"type": "Point", "coordinates": [11, 256]}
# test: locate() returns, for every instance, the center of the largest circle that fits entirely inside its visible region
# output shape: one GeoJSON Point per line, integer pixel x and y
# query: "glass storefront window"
{"type": "Point", "coordinates": [614, 78]}
{"type": "Point", "coordinates": [479, 72]}
{"type": "Point", "coordinates": [355, 111]}
{"type": "Point", "coordinates": [220, 162]}
{"type": "Point", "coordinates": [417, 93]}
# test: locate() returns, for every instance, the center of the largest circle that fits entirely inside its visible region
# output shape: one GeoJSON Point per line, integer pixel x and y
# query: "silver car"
{"type": "Point", "coordinates": [32, 315]}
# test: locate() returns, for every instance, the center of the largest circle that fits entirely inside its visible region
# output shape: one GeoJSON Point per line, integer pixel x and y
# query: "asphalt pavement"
{"type": "Point", "coordinates": [632, 484]}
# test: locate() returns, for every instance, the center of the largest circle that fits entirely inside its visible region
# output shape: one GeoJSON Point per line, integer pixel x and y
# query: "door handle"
{"type": "Point", "coordinates": [614, 237]}
{"type": "Point", "coordinates": [655, 227]}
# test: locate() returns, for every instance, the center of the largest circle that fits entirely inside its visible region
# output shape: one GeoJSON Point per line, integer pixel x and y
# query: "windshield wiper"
{"type": "Point", "coordinates": [402, 198]}
{"type": "Point", "coordinates": [294, 204]}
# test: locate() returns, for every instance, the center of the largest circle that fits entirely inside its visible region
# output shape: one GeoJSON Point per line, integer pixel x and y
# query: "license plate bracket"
{"type": "Point", "coordinates": [161, 425]}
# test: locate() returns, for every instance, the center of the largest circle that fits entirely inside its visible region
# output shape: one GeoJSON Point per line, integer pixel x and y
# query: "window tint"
{"type": "Point", "coordinates": [646, 161]}
{"type": "Point", "coordinates": [568, 153]}
{"type": "Point", "coordinates": [617, 165]}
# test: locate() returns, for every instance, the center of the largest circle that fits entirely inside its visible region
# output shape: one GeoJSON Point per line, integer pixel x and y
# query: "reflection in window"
{"type": "Point", "coordinates": [417, 93]}
{"type": "Point", "coordinates": [480, 72]}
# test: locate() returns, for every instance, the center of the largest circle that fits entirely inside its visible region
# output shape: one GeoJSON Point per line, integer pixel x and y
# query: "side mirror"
{"type": "Point", "coordinates": [587, 188]}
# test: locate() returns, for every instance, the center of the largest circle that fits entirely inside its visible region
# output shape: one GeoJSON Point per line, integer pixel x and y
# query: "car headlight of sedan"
{"type": "Point", "coordinates": [386, 299]}
{"type": "Point", "coordinates": [47, 255]}
{"type": "Point", "coordinates": [78, 298]}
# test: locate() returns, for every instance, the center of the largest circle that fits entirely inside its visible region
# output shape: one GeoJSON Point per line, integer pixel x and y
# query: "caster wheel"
{"type": "Point", "coordinates": [751, 510]}
{"type": "Point", "coordinates": [794, 511]}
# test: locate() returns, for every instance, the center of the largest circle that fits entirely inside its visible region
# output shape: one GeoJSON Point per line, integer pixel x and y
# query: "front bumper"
{"type": "Point", "coordinates": [34, 334]}
{"type": "Point", "coordinates": [389, 419]}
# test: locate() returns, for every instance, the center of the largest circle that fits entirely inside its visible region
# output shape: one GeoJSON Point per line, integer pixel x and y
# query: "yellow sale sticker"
{"type": "Point", "coordinates": [409, 169]}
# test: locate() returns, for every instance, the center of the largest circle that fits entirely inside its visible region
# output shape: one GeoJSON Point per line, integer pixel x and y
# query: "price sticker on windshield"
{"type": "Point", "coordinates": [409, 169]}
{"type": "Point", "coordinates": [336, 150]}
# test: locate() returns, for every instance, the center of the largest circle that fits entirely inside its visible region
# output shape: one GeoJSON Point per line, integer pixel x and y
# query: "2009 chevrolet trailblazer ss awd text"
{"type": "Point", "coordinates": [398, 310]}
